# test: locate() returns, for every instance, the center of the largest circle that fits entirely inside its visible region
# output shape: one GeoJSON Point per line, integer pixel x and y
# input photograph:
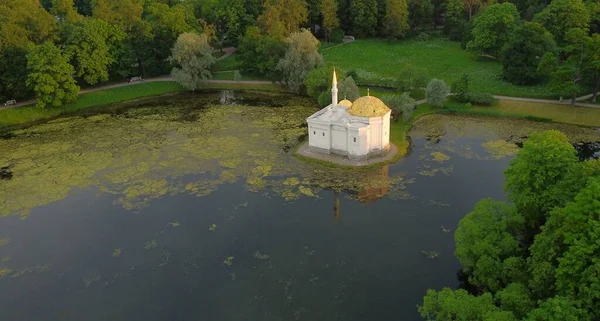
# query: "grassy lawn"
{"type": "Point", "coordinates": [228, 75]}
{"type": "Point", "coordinates": [26, 114]}
{"type": "Point", "coordinates": [31, 113]}
{"type": "Point", "coordinates": [559, 113]}
{"type": "Point", "coordinates": [380, 61]}
{"type": "Point", "coordinates": [228, 64]}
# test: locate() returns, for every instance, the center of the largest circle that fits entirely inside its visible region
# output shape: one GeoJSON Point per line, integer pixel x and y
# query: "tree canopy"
{"type": "Point", "coordinates": [492, 28]}
{"type": "Point", "coordinates": [193, 58]}
{"type": "Point", "coordinates": [50, 76]}
{"type": "Point", "coordinates": [538, 257]}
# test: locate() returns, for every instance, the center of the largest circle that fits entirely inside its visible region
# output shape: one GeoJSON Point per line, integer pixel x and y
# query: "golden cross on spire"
{"type": "Point", "coordinates": [368, 92]}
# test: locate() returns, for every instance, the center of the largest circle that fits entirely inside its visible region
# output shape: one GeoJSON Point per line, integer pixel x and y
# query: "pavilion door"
{"type": "Point", "coordinates": [338, 139]}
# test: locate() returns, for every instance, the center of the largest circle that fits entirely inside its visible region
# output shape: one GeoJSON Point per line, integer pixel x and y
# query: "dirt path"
{"type": "Point", "coordinates": [228, 52]}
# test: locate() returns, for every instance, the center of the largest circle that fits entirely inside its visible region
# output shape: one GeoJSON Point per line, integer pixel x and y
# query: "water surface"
{"type": "Point", "coordinates": [193, 208]}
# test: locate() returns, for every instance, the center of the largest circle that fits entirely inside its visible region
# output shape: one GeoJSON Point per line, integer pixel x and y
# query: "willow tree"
{"type": "Point", "coordinates": [301, 57]}
{"type": "Point", "coordinates": [193, 56]}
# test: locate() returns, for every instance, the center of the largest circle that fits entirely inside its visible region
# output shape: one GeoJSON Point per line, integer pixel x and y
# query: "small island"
{"type": "Point", "coordinates": [350, 133]}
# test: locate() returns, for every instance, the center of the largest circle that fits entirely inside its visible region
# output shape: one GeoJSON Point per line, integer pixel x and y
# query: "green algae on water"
{"type": "Point", "coordinates": [500, 148]}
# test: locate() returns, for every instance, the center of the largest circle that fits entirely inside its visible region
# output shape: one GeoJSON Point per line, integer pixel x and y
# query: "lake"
{"type": "Point", "coordinates": [193, 207]}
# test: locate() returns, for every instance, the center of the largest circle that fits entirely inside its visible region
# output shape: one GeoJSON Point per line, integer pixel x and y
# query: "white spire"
{"type": "Point", "coordinates": [334, 89]}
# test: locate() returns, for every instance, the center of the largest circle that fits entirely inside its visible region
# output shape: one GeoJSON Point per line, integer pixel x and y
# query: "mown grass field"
{"type": "Point", "coordinates": [380, 61]}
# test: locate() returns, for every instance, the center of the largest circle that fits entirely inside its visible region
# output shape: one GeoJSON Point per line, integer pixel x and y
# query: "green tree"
{"type": "Point", "coordinates": [533, 176]}
{"type": "Point", "coordinates": [565, 257]}
{"type": "Point", "coordinates": [88, 45]}
{"type": "Point", "coordinates": [455, 19]}
{"type": "Point", "coordinates": [396, 19]}
{"type": "Point", "coordinates": [411, 77]}
{"type": "Point", "coordinates": [84, 7]}
{"type": "Point", "coordinates": [461, 88]}
{"type": "Point", "coordinates": [283, 17]}
{"type": "Point", "coordinates": [363, 17]}
{"type": "Point", "coordinates": [487, 245]}
{"type": "Point", "coordinates": [260, 53]}
{"type": "Point", "coordinates": [319, 80]}
{"type": "Point", "coordinates": [492, 28]}
{"type": "Point", "coordinates": [270, 22]}
{"type": "Point", "coordinates": [562, 15]}
{"type": "Point", "coordinates": [348, 89]}
{"type": "Point", "coordinates": [167, 23]}
{"type": "Point", "coordinates": [13, 74]}
{"type": "Point", "coordinates": [193, 57]}
{"type": "Point", "coordinates": [436, 92]}
{"type": "Point", "coordinates": [401, 104]}
{"type": "Point", "coordinates": [421, 13]}
{"type": "Point", "coordinates": [65, 10]}
{"type": "Point", "coordinates": [24, 23]}
{"type": "Point", "coordinates": [50, 76]}
{"type": "Point", "coordinates": [122, 13]}
{"type": "Point", "coordinates": [521, 55]}
{"type": "Point", "coordinates": [471, 6]}
{"type": "Point", "coordinates": [447, 305]}
{"type": "Point", "coordinates": [557, 308]}
{"type": "Point", "coordinates": [577, 64]}
{"type": "Point", "coordinates": [301, 57]}
{"type": "Point", "coordinates": [231, 18]}
{"type": "Point", "coordinates": [330, 19]}
{"type": "Point", "coordinates": [515, 298]}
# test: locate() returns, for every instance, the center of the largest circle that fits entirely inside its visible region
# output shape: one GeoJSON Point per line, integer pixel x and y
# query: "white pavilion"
{"type": "Point", "coordinates": [358, 130]}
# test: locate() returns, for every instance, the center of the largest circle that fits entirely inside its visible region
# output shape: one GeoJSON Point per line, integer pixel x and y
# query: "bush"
{"type": "Point", "coordinates": [460, 88]}
{"type": "Point", "coordinates": [436, 92]}
{"type": "Point", "coordinates": [337, 36]}
{"type": "Point", "coordinates": [412, 77]}
{"type": "Point", "coordinates": [423, 37]}
{"type": "Point", "coordinates": [480, 98]}
{"type": "Point", "coordinates": [400, 104]}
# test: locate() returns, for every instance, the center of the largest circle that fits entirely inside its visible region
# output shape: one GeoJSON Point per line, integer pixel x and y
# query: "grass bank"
{"type": "Point", "coordinates": [378, 62]}
{"type": "Point", "coordinates": [26, 114]}
{"type": "Point", "coordinates": [583, 116]}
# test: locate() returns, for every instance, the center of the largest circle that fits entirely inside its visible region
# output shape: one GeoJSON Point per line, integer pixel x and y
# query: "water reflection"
{"type": "Point", "coordinates": [374, 185]}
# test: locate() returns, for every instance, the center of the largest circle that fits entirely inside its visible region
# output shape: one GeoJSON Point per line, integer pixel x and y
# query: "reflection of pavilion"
{"type": "Point", "coordinates": [373, 186]}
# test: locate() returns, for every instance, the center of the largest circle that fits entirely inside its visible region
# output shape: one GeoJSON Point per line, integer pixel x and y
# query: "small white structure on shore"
{"type": "Point", "coordinates": [358, 130]}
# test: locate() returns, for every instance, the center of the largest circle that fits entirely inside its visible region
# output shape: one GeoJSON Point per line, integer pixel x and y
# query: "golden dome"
{"type": "Point", "coordinates": [368, 106]}
{"type": "Point", "coordinates": [345, 103]}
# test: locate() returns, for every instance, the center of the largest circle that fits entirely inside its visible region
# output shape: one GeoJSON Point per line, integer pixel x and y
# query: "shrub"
{"type": "Point", "coordinates": [480, 98]}
{"type": "Point", "coordinates": [436, 92]}
{"type": "Point", "coordinates": [460, 88]}
{"type": "Point", "coordinates": [423, 37]}
{"type": "Point", "coordinates": [400, 104]}
{"type": "Point", "coordinates": [412, 77]}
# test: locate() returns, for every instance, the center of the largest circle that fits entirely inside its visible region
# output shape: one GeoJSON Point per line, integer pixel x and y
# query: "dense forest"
{"type": "Point", "coordinates": [49, 48]}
